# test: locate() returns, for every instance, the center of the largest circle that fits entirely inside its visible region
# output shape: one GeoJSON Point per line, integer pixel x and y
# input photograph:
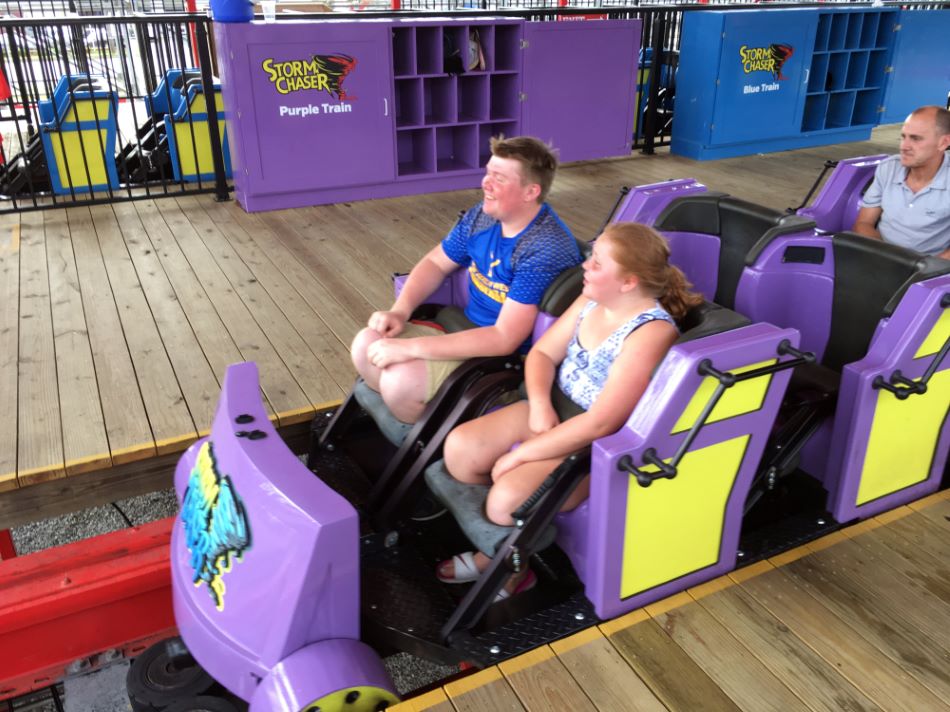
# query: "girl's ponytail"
{"type": "Point", "coordinates": [641, 250]}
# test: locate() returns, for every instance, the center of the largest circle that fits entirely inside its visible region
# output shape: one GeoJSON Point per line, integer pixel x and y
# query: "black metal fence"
{"type": "Point", "coordinates": [108, 108]}
{"type": "Point", "coordinates": [60, 8]}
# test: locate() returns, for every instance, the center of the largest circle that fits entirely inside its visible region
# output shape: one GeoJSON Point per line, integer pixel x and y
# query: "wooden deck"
{"type": "Point", "coordinates": [117, 321]}
{"type": "Point", "coordinates": [859, 620]}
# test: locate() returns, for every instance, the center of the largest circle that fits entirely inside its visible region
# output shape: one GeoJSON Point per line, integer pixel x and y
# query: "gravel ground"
{"type": "Point", "coordinates": [93, 522]}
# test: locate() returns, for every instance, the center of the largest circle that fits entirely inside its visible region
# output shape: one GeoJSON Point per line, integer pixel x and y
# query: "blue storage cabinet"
{"type": "Point", "coordinates": [921, 63]}
{"type": "Point", "coordinates": [771, 80]}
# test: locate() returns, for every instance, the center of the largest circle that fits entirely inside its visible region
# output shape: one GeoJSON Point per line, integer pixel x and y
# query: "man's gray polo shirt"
{"type": "Point", "coordinates": [919, 221]}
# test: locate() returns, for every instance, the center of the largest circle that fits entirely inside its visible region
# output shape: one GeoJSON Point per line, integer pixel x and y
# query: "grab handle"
{"type": "Point", "coordinates": [727, 379]}
{"type": "Point", "coordinates": [903, 387]}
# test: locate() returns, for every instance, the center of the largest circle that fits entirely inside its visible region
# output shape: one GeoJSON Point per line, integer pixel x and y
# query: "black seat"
{"type": "Point", "coordinates": [744, 230]}
{"type": "Point", "coordinates": [567, 286]}
{"type": "Point", "coordinates": [707, 319]}
{"type": "Point", "coordinates": [460, 398]}
{"type": "Point", "coordinates": [871, 278]}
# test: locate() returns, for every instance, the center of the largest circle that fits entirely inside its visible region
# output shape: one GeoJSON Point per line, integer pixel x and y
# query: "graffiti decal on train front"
{"type": "Point", "coordinates": [217, 532]}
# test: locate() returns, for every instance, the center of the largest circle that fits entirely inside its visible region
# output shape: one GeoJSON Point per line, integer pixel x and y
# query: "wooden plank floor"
{"type": "Point", "coordinates": [859, 620]}
{"type": "Point", "coordinates": [117, 322]}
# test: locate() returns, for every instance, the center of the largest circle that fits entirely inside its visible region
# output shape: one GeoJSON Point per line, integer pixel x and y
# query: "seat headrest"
{"type": "Point", "coordinates": [760, 216]}
{"type": "Point", "coordinates": [562, 292]}
{"type": "Point", "coordinates": [567, 286]}
{"type": "Point", "coordinates": [691, 213]}
{"type": "Point", "coordinates": [871, 278]}
{"type": "Point", "coordinates": [893, 268]}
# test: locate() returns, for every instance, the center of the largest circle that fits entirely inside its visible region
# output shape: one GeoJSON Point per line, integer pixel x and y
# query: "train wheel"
{"type": "Point", "coordinates": [163, 674]}
{"type": "Point", "coordinates": [335, 675]}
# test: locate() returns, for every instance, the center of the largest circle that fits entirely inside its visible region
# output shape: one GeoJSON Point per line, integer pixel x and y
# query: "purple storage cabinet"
{"type": "Point", "coordinates": [326, 111]}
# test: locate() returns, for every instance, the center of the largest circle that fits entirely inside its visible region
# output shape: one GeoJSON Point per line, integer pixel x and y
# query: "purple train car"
{"type": "Point", "coordinates": [811, 390]}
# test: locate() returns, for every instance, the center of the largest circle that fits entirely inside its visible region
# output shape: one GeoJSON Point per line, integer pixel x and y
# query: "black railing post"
{"type": "Point", "coordinates": [80, 51]}
{"type": "Point", "coordinates": [214, 135]}
{"type": "Point", "coordinates": [142, 33]}
{"type": "Point", "coordinates": [656, 65]}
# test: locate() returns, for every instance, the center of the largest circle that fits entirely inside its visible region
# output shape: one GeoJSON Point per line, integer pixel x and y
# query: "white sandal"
{"type": "Point", "coordinates": [464, 569]}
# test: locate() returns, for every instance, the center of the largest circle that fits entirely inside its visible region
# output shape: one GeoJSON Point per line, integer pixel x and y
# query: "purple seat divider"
{"type": "Point", "coordinates": [452, 292]}
{"type": "Point", "coordinates": [610, 553]}
{"type": "Point", "coordinates": [836, 206]}
{"type": "Point", "coordinates": [279, 568]}
{"type": "Point", "coordinates": [886, 451]}
{"type": "Point", "coordinates": [541, 324]}
{"type": "Point", "coordinates": [791, 291]}
{"type": "Point", "coordinates": [697, 254]}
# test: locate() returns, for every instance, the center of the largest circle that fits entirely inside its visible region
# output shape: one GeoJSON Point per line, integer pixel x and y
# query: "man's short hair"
{"type": "Point", "coordinates": [941, 117]}
{"type": "Point", "coordinates": [943, 121]}
{"type": "Point", "coordinates": [538, 162]}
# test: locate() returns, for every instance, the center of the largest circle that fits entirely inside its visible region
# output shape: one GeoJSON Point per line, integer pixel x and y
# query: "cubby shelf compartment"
{"type": "Point", "coordinates": [455, 148]}
{"type": "Point", "coordinates": [439, 100]}
{"type": "Point", "coordinates": [840, 110]}
{"type": "Point", "coordinates": [455, 37]}
{"type": "Point", "coordinates": [816, 106]}
{"type": "Point", "coordinates": [869, 30]}
{"type": "Point", "coordinates": [867, 106]}
{"type": "Point", "coordinates": [818, 75]}
{"type": "Point", "coordinates": [415, 151]}
{"type": "Point", "coordinates": [504, 96]}
{"type": "Point", "coordinates": [877, 66]}
{"type": "Point", "coordinates": [839, 31]}
{"type": "Point", "coordinates": [885, 29]}
{"type": "Point", "coordinates": [823, 33]}
{"type": "Point", "coordinates": [857, 71]}
{"type": "Point", "coordinates": [404, 52]}
{"type": "Point", "coordinates": [473, 97]}
{"type": "Point", "coordinates": [489, 130]}
{"type": "Point", "coordinates": [485, 36]}
{"type": "Point", "coordinates": [429, 50]}
{"type": "Point", "coordinates": [837, 71]}
{"type": "Point", "coordinates": [408, 102]}
{"type": "Point", "coordinates": [507, 48]}
{"type": "Point", "coordinates": [853, 36]}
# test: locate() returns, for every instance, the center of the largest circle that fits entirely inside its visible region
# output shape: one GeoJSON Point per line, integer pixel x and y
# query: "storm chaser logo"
{"type": "Point", "coordinates": [769, 59]}
{"type": "Point", "coordinates": [322, 72]}
{"type": "Point", "coordinates": [216, 527]}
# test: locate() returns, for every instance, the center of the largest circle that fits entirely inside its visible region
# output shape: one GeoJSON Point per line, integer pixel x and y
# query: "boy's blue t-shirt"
{"type": "Point", "coordinates": [519, 267]}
